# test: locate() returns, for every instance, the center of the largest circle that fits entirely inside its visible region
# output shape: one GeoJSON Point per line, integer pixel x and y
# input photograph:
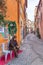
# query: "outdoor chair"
{"type": "Point", "coordinates": [6, 52]}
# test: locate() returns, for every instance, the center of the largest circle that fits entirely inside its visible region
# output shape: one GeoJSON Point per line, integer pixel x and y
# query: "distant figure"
{"type": "Point", "coordinates": [14, 46]}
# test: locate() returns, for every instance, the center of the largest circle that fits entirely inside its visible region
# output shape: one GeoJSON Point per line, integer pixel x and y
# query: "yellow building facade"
{"type": "Point", "coordinates": [16, 12]}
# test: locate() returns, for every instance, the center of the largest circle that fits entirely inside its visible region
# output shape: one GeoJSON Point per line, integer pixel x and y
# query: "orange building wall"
{"type": "Point", "coordinates": [11, 10]}
{"type": "Point", "coordinates": [12, 14]}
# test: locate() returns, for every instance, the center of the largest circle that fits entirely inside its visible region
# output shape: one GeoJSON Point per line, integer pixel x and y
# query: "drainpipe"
{"type": "Point", "coordinates": [18, 9]}
{"type": "Point", "coordinates": [18, 14]}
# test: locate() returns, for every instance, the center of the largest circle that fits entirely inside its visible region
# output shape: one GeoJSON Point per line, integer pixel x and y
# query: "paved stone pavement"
{"type": "Point", "coordinates": [32, 52]}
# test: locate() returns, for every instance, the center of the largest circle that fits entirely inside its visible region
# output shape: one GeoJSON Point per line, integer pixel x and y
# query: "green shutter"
{"type": "Point", "coordinates": [12, 28]}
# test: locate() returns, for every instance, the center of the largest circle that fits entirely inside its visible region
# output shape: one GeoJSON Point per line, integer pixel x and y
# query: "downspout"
{"type": "Point", "coordinates": [18, 17]}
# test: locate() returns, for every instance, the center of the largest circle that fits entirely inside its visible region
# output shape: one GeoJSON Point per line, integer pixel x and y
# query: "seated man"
{"type": "Point", "coordinates": [14, 46]}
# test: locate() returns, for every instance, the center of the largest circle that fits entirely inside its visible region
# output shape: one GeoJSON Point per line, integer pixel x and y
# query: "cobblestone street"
{"type": "Point", "coordinates": [32, 52]}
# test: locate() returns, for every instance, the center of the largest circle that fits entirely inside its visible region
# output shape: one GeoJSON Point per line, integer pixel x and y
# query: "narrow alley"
{"type": "Point", "coordinates": [21, 32]}
{"type": "Point", "coordinates": [32, 52]}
